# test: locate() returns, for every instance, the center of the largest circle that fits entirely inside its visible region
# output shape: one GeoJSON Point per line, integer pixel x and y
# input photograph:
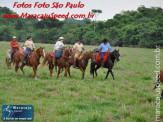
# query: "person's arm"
{"type": "Point", "coordinates": [83, 48]}
{"type": "Point", "coordinates": [25, 44]}
{"type": "Point", "coordinates": [100, 47]}
{"type": "Point", "coordinates": [54, 48]}
{"type": "Point", "coordinates": [16, 45]}
{"type": "Point", "coordinates": [74, 47]}
{"type": "Point", "coordinates": [62, 46]}
{"type": "Point", "coordinates": [33, 46]}
{"type": "Point", "coordinates": [109, 47]}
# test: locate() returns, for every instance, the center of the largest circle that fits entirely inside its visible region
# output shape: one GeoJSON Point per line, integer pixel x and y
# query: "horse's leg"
{"type": "Point", "coordinates": [112, 74]}
{"type": "Point", "coordinates": [66, 70]}
{"type": "Point", "coordinates": [51, 69]}
{"type": "Point", "coordinates": [21, 67]}
{"type": "Point", "coordinates": [107, 74]}
{"type": "Point", "coordinates": [9, 65]}
{"type": "Point", "coordinates": [35, 71]}
{"type": "Point", "coordinates": [16, 67]}
{"type": "Point", "coordinates": [98, 66]}
{"type": "Point", "coordinates": [162, 95]}
{"type": "Point", "coordinates": [59, 71]}
{"type": "Point", "coordinates": [82, 72]}
{"type": "Point", "coordinates": [69, 72]}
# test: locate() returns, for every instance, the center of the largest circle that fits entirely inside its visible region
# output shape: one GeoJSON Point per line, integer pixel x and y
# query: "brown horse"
{"type": "Point", "coordinates": [83, 62]}
{"type": "Point", "coordinates": [33, 60]}
{"type": "Point", "coordinates": [160, 78]}
{"type": "Point", "coordinates": [63, 62]}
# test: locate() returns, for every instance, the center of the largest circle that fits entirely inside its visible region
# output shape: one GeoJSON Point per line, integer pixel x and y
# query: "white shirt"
{"type": "Point", "coordinates": [29, 44]}
{"type": "Point", "coordinates": [58, 45]}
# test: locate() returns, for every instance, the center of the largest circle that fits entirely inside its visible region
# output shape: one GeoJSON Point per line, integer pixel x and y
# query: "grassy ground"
{"type": "Point", "coordinates": [130, 98]}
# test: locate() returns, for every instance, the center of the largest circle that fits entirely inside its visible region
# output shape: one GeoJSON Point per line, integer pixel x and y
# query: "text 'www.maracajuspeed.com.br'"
{"type": "Point", "coordinates": [44, 16]}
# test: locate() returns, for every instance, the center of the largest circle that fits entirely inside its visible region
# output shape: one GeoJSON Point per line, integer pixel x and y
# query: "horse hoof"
{"type": "Point", "coordinates": [35, 78]}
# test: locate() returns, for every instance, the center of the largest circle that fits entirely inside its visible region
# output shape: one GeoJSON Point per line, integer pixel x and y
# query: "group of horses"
{"type": "Point", "coordinates": [64, 62]}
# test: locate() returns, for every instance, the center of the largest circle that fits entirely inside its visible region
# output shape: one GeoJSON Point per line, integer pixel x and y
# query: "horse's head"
{"type": "Point", "coordinates": [92, 56]}
{"type": "Point", "coordinates": [116, 54]}
{"type": "Point", "coordinates": [68, 51]}
{"type": "Point", "coordinates": [41, 51]}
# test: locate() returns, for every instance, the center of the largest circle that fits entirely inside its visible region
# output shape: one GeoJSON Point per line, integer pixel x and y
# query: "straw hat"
{"type": "Point", "coordinates": [14, 37]}
{"type": "Point", "coordinates": [61, 38]}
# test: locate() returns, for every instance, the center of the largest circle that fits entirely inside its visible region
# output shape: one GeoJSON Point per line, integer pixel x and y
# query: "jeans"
{"type": "Point", "coordinates": [12, 53]}
{"type": "Point", "coordinates": [27, 52]}
{"type": "Point", "coordinates": [102, 56]}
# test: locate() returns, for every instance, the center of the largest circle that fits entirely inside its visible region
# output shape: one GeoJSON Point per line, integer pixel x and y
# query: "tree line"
{"type": "Point", "coordinates": [140, 28]}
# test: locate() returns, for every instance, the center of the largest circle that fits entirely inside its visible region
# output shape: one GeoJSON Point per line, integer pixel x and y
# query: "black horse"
{"type": "Point", "coordinates": [109, 64]}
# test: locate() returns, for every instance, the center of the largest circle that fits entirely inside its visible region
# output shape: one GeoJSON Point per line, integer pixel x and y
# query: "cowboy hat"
{"type": "Point", "coordinates": [14, 37]}
{"type": "Point", "coordinates": [61, 38]}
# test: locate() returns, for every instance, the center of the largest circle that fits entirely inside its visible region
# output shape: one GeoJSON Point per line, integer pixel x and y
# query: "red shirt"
{"type": "Point", "coordinates": [14, 43]}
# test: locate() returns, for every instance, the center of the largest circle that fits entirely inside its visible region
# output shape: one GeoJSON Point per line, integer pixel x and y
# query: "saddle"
{"type": "Point", "coordinates": [98, 57]}
{"type": "Point", "coordinates": [51, 54]}
{"type": "Point", "coordinates": [22, 52]}
{"type": "Point", "coordinates": [80, 56]}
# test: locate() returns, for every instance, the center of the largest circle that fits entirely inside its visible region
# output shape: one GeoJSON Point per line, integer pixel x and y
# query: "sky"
{"type": "Point", "coordinates": [109, 7]}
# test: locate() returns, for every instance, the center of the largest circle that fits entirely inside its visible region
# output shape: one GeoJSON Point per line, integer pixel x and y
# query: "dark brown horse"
{"type": "Point", "coordinates": [33, 60]}
{"type": "Point", "coordinates": [62, 62]}
{"type": "Point", "coordinates": [159, 78]}
{"type": "Point", "coordinates": [109, 64]}
{"type": "Point", "coordinates": [83, 62]}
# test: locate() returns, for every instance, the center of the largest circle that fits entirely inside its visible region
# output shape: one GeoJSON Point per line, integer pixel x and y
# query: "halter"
{"type": "Point", "coordinates": [36, 55]}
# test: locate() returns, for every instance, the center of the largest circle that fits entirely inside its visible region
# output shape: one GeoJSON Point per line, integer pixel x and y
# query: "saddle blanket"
{"type": "Point", "coordinates": [22, 52]}
{"type": "Point", "coordinates": [98, 57]}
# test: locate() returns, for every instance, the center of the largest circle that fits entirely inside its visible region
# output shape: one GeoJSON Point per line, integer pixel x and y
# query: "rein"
{"type": "Point", "coordinates": [37, 55]}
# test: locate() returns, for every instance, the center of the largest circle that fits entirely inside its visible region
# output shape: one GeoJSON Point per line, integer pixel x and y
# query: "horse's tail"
{"type": "Point", "coordinates": [45, 60]}
{"type": "Point", "coordinates": [158, 81]}
{"type": "Point", "coordinates": [92, 67]}
{"type": "Point", "coordinates": [6, 61]}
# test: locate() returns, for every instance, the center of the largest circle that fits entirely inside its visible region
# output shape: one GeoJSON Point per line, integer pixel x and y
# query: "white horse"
{"type": "Point", "coordinates": [8, 57]}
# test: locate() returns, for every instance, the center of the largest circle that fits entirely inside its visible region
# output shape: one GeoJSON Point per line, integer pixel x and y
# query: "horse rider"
{"type": "Point", "coordinates": [14, 47]}
{"type": "Point", "coordinates": [29, 47]}
{"type": "Point", "coordinates": [78, 48]}
{"type": "Point", "coordinates": [58, 48]}
{"type": "Point", "coordinates": [104, 47]}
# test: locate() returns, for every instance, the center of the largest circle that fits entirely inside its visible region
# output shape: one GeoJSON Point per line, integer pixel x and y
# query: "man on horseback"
{"type": "Point", "coordinates": [58, 49]}
{"type": "Point", "coordinates": [78, 48]}
{"type": "Point", "coordinates": [104, 47]}
{"type": "Point", "coordinates": [29, 47]}
{"type": "Point", "coordinates": [14, 47]}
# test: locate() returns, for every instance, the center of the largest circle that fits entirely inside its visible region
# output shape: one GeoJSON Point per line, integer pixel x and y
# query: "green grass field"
{"type": "Point", "coordinates": [128, 98]}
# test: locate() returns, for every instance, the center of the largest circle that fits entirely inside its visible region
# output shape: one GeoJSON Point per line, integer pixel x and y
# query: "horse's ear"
{"type": "Point", "coordinates": [118, 50]}
{"type": "Point", "coordinates": [44, 47]}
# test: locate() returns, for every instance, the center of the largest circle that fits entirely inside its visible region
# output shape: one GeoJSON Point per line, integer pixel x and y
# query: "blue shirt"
{"type": "Point", "coordinates": [105, 47]}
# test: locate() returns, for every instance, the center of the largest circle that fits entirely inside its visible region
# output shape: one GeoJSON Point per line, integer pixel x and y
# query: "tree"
{"type": "Point", "coordinates": [96, 13]}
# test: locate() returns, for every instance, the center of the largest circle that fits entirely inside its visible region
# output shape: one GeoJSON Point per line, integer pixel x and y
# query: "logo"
{"type": "Point", "coordinates": [17, 112]}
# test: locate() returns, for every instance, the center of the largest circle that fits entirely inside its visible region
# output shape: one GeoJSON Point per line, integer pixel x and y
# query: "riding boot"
{"type": "Point", "coordinates": [74, 65]}
{"type": "Point", "coordinates": [102, 65]}
{"type": "Point", "coordinates": [12, 57]}
{"type": "Point", "coordinates": [24, 60]}
{"type": "Point", "coordinates": [54, 61]}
